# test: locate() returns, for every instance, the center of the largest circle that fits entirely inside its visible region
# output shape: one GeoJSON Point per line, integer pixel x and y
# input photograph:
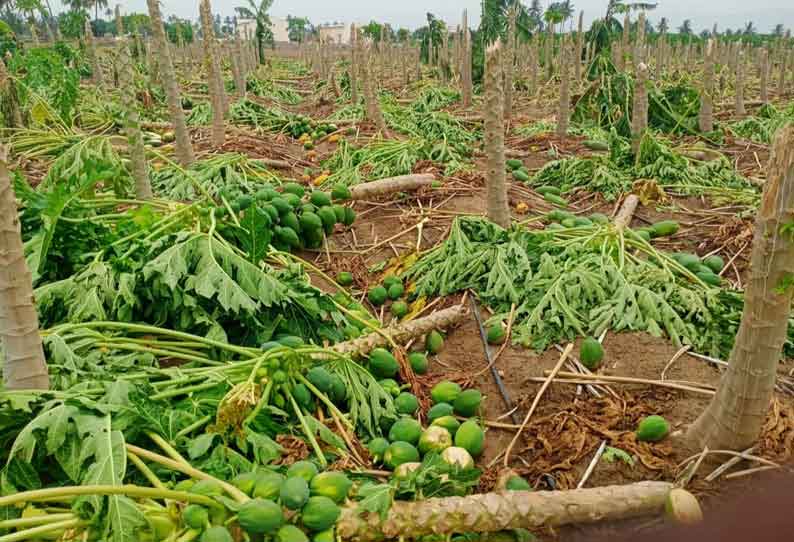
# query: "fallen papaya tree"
{"type": "Point", "coordinates": [492, 512]}
{"type": "Point", "coordinates": [391, 185]}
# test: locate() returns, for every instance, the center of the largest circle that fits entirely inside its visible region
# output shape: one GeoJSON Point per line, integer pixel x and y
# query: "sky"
{"type": "Point", "coordinates": [411, 13]}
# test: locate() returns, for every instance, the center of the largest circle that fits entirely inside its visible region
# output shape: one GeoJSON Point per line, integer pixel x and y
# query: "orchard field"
{"type": "Point", "coordinates": [526, 280]}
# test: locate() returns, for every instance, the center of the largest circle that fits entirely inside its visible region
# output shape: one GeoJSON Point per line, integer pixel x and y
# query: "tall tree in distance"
{"type": "Point", "coordinates": [25, 366]}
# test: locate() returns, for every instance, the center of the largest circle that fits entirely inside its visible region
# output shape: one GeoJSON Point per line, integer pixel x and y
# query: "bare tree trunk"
{"type": "Point", "coordinates": [132, 124]}
{"type": "Point", "coordinates": [549, 52]}
{"type": "Point", "coordinates": [119, 22]}
{"type": "Point", "coordinates": [563, 109]}
{"type": "Point", "coordinates": [25, 366]}
{"type": "Point", "coordinates": [466, 76]}
{"type": "Point", "coordinates": [240, 73]}
{"type": "Point", "coordinates": [96, 67]}
{"type": "Point", "coordinates": [215, 78]}
{"type": "Point", "coordinates": [639, 113]}
{"type": "Point", "coordinates": [740, 111]}
{"type": "Point", "coordinates": [577, 65]}
{"type": "Point", "coordinates": [706, 116]}
{"type": "Point", "coordinates": [495, 182]}
{"type": "Point", "coordinates": [374, 114]}
{"type": "Point", "coordinates": [764, 67]}
{"type": "Point", "coordinates": [510, 62]}
{"type": "Point", "coordinates": [534, 60]}
{"type": "Point", "coordinates": [781, 85]}
{"type": "Point", "coordinates": [736, 415]}
{"type": "Point", "coordinates": [625, 45]}
{"type": "Point", "coordinates": [354, 59]}
{"type": "Point", "coordinates": [491, 512]}
{"type": "Point", "coordinates": [184, 148]}
{"type": "Point", "coordinates": [8, 90]}
{"type": "Point", "coordinates": [639, 49]}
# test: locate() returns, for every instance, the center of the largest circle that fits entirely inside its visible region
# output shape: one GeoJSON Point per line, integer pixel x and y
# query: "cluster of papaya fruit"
{"type": "Point", "coordinates": [285, 505]}
{"type": "Point", "coordinates": [298, 218]}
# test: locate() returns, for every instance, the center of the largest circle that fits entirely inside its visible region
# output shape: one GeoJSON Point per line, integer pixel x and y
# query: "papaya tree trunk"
{"type": "Point", "coordinates": [563, 108]}
{"type": "Point", "coordinates": [735, 416]}
{"type": "Point", "coordinates": [495, 182]}
{"type": "Point", "coordinates": [354, 58]}
{"type": "Point", "coordinates": [577, 59]}
{"type": "Point", "coordinates": [96, 67]}
{"type": "Point", "coordinates": [24, 366]}
{"type": "Point", "coordinates": [740, 111]}
{"type": "Point", "coordinates": [214, 75]}
{"type": "Point", "coordinates": [374, 113]}
{"type": "Point", "coordinates": [639, 113]}
{"type": "Point", "coordinates": [639, 47]}
{"type": "Point", "coordinates": [510, 62]}
{"type": "Point", "coordinates": [492, 512]}
{"type": "Point", "coordinates": [132, 124]}
{"type": "Point", "coordinates": [764, 67]}
{"type": "Point", "coordinates": [466, 81]}
{"type": "Point", "coordinates": [706, 115]}
{"type": "Point", "coordinates": [184, 148]}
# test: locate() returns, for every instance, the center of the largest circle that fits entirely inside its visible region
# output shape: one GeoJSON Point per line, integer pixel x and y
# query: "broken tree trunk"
{"type": "Point", "coordinates": [354, 57]}
{"type": "Point", "coordinates": [493, 512]}
{"type": "Point", "coordinates": [184, 148]}
{"type": "Point", "coordinates": [25, 366]}
{"type": "Point", "coordinates": [465, 78]}
{"type": "Point", "coordinates": [740, 111]}
{"type": "Point", "coordinates": [495, 182]}
{"type": "Point", "coordinates": [563, 108]}
{"type": "Point", "coordinates": [404, 332]}
{"type": "Point", "coordinates": [132, 124]}
{"type": "Point", "coordinates": [93, 54]}
{"type": "Point", "coordinates": [734, 418]}
{"type": "Point", "coordinates": [510, 62]}
{"type": "Point", "coordinates": [383, 187]}
{"type": "Point", "coordinates": [639, 112]}
{"type": "Point", "coordinates": [706, 115]}
{"type": "Point", "coordinates": [374, 113]}
{"type": "Point", "coordinates": [214, 75]}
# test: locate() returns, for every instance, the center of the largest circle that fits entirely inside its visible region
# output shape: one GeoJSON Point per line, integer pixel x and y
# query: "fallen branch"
{"type": "Point", "coordinates": [493, 512]}
{"type": "Point", "coordinates": [563, 375]}
{"type": "Point", "coordinates": [384, 187]}
{"type": "Point", "coordinates": [404, 332]}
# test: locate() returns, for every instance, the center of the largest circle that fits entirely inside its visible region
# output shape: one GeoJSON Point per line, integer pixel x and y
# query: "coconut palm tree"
{"type": "Point", "coordinates": [749, 29]}
{"type": "Point", "coordinates": [663, 25]}
{"type": "Point", "coordinates": [778, 31]}
{"type": "Point", "coordinates": [685, 28]}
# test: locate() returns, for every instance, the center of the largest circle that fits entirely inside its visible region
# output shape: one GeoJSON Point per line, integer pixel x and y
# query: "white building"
{"type": "Point", "coordinates": [278, 26]}
{"type": "Point", "coordinates": [335, 32]}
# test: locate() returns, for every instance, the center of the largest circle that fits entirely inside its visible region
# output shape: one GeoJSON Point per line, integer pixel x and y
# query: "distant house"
{"type": "Point", "coordinates": [278, 26]}
{"type": "Point", "coordinates": [335, 32]}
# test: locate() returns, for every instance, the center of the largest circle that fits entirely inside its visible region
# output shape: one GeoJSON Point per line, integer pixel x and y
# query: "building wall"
{"type": "Point", "coordinates": [279, 27]}
{"type": "Point", "coordinates": [339, 34]}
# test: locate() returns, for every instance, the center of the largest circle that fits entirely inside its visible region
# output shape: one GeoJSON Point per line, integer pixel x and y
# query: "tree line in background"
{"type": "Point", "coordinates": [35, 19]}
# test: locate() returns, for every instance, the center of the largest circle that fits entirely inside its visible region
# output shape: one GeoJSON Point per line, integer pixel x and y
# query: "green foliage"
{"type": "Point", "coordinates": [45, 72]}
{"type": "Point", "coordinates": [579, 281]}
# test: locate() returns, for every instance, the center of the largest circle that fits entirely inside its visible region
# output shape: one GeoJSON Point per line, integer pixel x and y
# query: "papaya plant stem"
{"type": "Point", "coordinates": [146, 471]}
{"type": "Point", "coordinates": [189, 536]}
{"type": "Point", "coordinates": [159, 351]}
{"type": "Point", "coordinates": [68, 492]}
{"type": "Point", "coordinates": [183, 391]}
{"type": "Point", "coordinates": [307, 430]}
{"type": "Point", "coordinates": [35, 520]}
{"type": "Point", "coordinates": [193, 426]}
{"type": "Point", "coordinates": [166, 447]}
{"type": "Point", "coordinates": [260, 405]}
{"type": "Point", "coordinates": [186, 468]}
{"type": "Point", "coordinates": [35, 532]}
